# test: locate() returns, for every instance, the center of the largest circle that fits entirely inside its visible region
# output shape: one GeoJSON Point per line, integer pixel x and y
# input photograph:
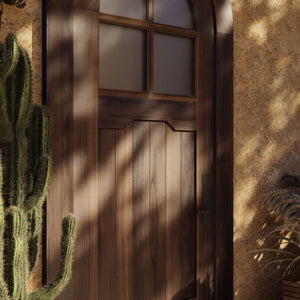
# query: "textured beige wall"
{"type": "Point", "coordinates": [266, 124]}
{"type": "Point", "coordinates": [266, 114]}
{"type": "Point", "coordinates": [26, 24]}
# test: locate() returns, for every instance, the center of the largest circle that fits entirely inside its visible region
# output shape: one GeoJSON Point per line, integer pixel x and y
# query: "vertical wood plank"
{"type": "Point", "coordinates": [173, 212]}
{"type": "Point", "coordinates": [107, 279]}
{"type": "Point", "coordinates": [188, 216]}
{"type": "Point", "coordinates": [85, 147]}
{"type": "Point", "coordinates": [141, 224]}
{"type": "Point", "coordinates": [124, 213]}
{"type": "Point", "coordinates": [224, 166]}
{"type": "Point", "coordinates": [205, 165]}
{"type": "Point", "coordinates": [60, 102]}
{"type": "Point", "coordinates": [157, 213]}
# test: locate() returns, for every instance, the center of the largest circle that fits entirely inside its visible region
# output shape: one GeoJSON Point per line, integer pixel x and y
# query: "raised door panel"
{"type": "Point", "coordinates": [147, 213]}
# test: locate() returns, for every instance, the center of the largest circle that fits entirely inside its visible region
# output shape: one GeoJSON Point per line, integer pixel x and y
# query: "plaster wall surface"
{"type": "Point", "coordinates": [266, 127]}
{"type": "Point", "coordinates": [266, 117]}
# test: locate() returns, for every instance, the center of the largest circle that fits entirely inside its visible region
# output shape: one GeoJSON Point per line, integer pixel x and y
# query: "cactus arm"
{"type": "Point", "coordinates": [40, 184]}
{"type": "Point", "coordinates": [39, 134]}
{"type": "Point", "coordinates": [3, 285]}
{"type": "Point", "coordinates": [35, 220]}
{"type": "Point", "coordinates": [52, 290]}
{"type": "Point", "coordinates": [39, 146]}
{"type": "Point", "coordinates": [15, 165]}
{"type": "Point", "coordinates": [39, 131]}
{"type": "Point", "coordinates": [17, 255]}
{"type": "Point", "coordinates": [10, 59]}
{"type": "Point", "coordinates": [26, 96]}
{"type": "Point", "coordinates": [6, 133]}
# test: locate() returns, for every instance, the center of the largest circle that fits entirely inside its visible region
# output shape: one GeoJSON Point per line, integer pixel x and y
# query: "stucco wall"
{"type": "Point", "coordinates": [26, 24]}
{"type": "Point", "coordinates": [266, 124]}
{"type": "Point", "coordinates": [266, 115]}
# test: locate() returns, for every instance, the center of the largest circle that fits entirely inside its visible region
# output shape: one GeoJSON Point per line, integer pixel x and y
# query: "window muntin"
{"type": "Point", "coordinates": [151, 81]}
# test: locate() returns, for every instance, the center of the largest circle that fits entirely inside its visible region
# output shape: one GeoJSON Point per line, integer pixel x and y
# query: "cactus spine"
{"type": "Point", "coordinates": [24, 176]}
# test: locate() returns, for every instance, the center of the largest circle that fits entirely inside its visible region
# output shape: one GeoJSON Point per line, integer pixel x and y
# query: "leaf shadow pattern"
{"type": "Point", "coordinates": [68, 182]}
{"type": "Point", "coordinates": [266, 129]}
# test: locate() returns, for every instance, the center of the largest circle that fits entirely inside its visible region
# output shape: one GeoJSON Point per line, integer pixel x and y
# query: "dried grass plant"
{"type": "Point", "coordinates": [283, 202]}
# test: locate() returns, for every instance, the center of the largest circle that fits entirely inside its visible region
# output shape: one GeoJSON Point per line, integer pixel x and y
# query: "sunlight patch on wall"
{"type": "Point", "coordinates": [258, 31]}
{"type": "Point", "coordinates": [267, 156]}
{"type": "Point", "coordinates": [244, 192]}
{"type": "Point", "coordinates": [280, 111]}
{"type": "Point", "coordinates": [248, 148]}
{"type": "Point", "coordinates": [276, 3]}
{"type": "Point", "coordinates": [266, 126]}
{"type": "Point", "coordinates": [256, 2]}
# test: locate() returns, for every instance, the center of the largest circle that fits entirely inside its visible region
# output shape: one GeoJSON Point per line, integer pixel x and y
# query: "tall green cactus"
{"type": "Point", "coordinates": [24, 176]}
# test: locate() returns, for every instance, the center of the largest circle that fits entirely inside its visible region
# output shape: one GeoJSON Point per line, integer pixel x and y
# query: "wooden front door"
{"type": "Point", "coordinates": [149, 94]}
{"type": "Point", "coordinates": [137, 168]}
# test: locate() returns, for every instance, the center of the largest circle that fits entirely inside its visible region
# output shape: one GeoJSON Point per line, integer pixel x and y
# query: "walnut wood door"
{"type": "Point", "coordinates": [149, 96]}
{"type": "Point", "coordinates": [133, 90]}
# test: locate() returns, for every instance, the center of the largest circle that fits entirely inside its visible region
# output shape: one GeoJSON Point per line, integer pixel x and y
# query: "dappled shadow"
{"type": "Point", "coordinates": [146, 239]}
{"type": "Point", "coordinates": [144, 266]}
{"type": "Point", "coordinates": [266, 127]}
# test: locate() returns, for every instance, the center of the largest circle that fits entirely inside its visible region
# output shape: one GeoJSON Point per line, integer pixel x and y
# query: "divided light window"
{"type": "Point", "coordinates": [147, 48]}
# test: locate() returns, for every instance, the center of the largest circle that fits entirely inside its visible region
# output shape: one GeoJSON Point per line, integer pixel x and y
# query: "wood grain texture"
{"type": "Point", "coordinates": [75, 147]}
{"type": "Point", "coordinates": [157, 210]}
{"type": "Point", "coordinates": [147, 213]}
{"type": "Point", "coordinates": [108, 273]}
{"type": "Point", "coordinates": [205, 164]}
{"type": "Point", "coordinates": [203, 15]}
{"type": "Point", "coordinates": [290, 290]}
{"type": "Point", "coordinates": [59, 101]}
{"type": "Point", "coordinates": [168, 29]}
{"type": "Point", "coordinates": [188, 214]}
{"type": "Point", "coordinates": [224, 168]}
{"type": "Point", "coordinates": [121, 112]}
{"type": "Point", "coordinates": [122, 21]}
{"type": "Point", "coordinates": [85, 183]}
{"type": "Point", "coordinates": [146, 95]}
{"type": "Point", "coordinates": [141, 221]}
{"type": "Point", "coordinates": [124, 213]}
{"type": "Point", "coordinates": [87, 5]}
{"type": "Point", "coordinates": [173, 211]}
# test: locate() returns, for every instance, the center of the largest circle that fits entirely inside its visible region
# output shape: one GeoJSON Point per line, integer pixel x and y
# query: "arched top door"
{"type": "Point", "coordinates": [206, 108]}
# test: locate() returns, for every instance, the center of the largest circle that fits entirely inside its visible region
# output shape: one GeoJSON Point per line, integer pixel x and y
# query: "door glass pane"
{"type": "Point", "coordinates": [127, 8]}
{"type": "Point", "coordinates": [176, 12]}
{"type": "Point", "coordinates": [122, 58]}
{"type": "Point", "coordinates": [173, 65]}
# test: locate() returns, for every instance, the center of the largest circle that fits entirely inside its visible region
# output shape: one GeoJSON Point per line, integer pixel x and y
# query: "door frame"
{"type": "Point", "coordinates": [64, 23]}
